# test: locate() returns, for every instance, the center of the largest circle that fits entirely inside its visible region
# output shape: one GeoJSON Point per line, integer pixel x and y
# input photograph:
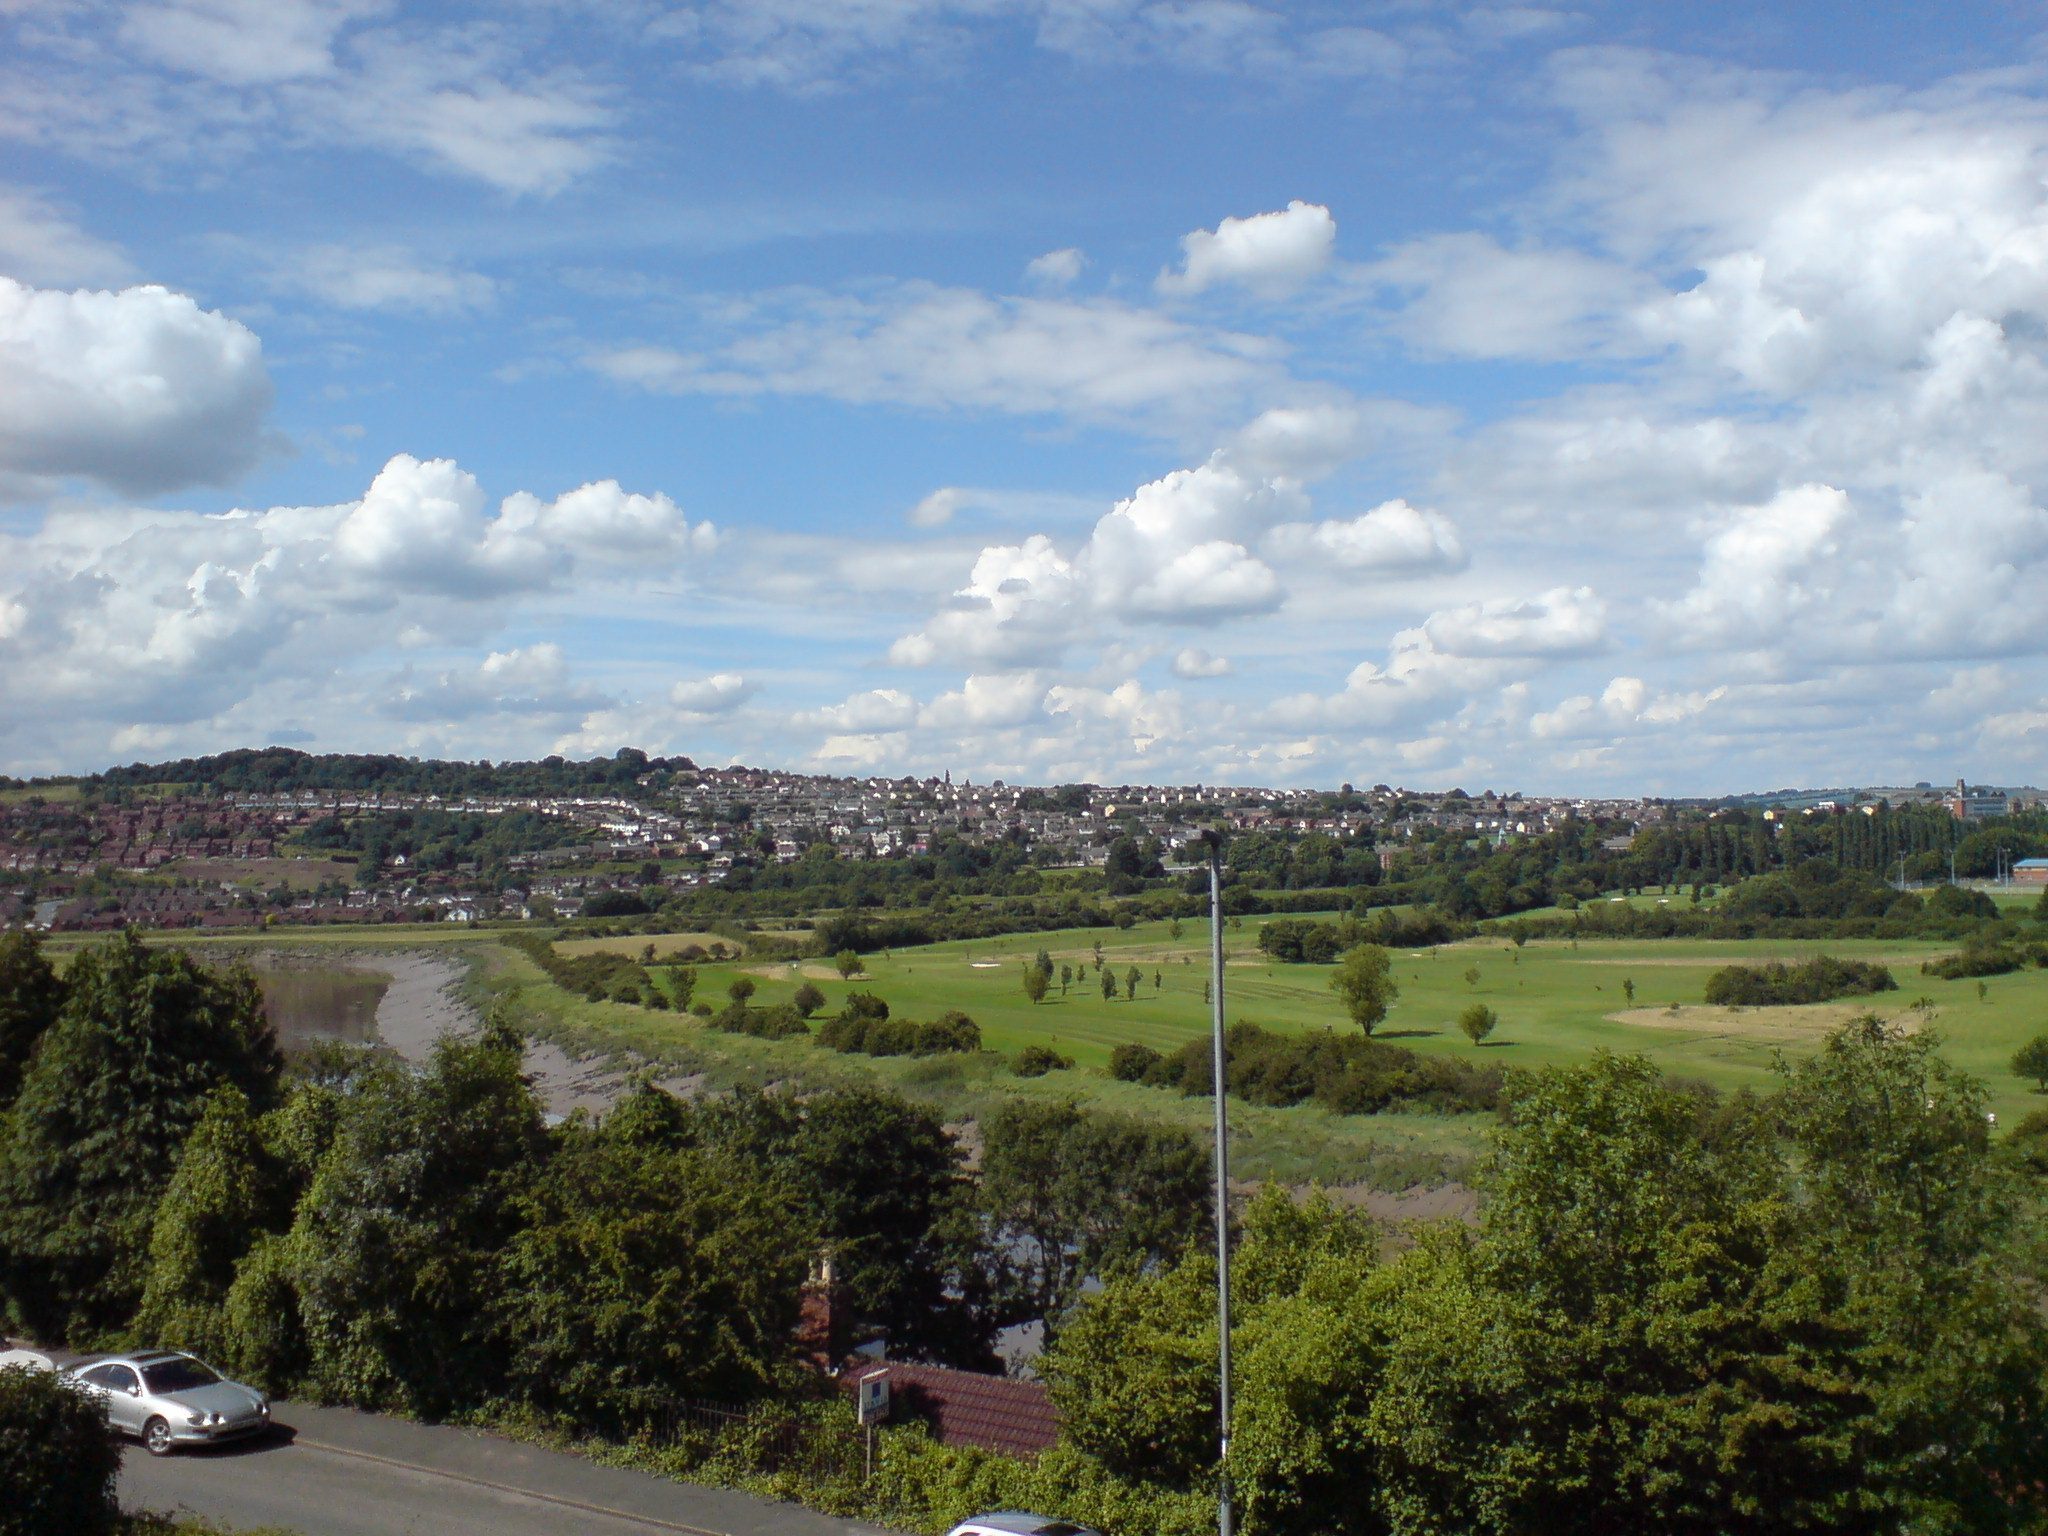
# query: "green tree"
{"type": "Point", "coordinates": [1628, 988]}
{"type": "Point", "coordinates": [1072, 1195]}
{"type": "Point", "coordinates": [642, 1273]}
{"type": "Point", "coordinates": [883, 1185]}
{"type": "Point", "coordinates": [227, 1191]}
{"type": "Point", "coordinates": [1131, 979]}
{"type": "Point", "coordinates": [1108, 980]}
{"type": "Point", "coordinates": [682, 985]}
{"type": "Point", "coordinates": [1477, 1021]}
{"type": "Point", "coordinates": [847, 963]}
{"type": "Point", "coordinates": [393, 1252]}
{"type": "Point", "coordinates": [742, 988]}
{"type": "Point", "coordinates": [144, 1036]}
{"type": "Point", "coordinates": [2031, 1060]}
{"type": "Point", "coordinates": [1364, 982]}
{"type": "Point", "coordinates": [30, 997]}
{"type": "Point", "coordinates": [1036, 982]}
{"type": "Point", "coordinates": [1066, 978]}
{"type": "Point", "coordinates": [1134, 1373]}
{"type": "Point", "coordinates": [59, 1458]}
{"type": "Point", "coordinates": [1471, 975]}
{"type": "Point", "coordinates": [807, 1000]}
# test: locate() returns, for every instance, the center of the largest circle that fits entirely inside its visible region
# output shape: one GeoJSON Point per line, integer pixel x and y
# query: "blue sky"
{"type": "Point", "coordinates": [1612, 398]}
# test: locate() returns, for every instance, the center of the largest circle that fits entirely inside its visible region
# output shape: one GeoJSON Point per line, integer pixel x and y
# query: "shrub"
{"type": "Point", "coordinates": [1037, 1060]}
{"type": "Point", "coordinates": [1818, 980]}
{"type": "Point", "coordinates": [1132, 1062]}
{"type": "Point", "coordinates": [1345, 1073]}
{"type": "Point", "coordinates": [870, 1035]}
{"type": "Point", "coordinates": [1978, 959]}
{"type": "Point", "coordinates": [778, 1023]}
{"type": "Point", "coordinates": [58, 1456]}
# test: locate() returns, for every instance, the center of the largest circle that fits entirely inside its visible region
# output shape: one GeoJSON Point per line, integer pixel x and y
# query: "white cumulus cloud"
{"type": "Point", "coordinates": [1269, 252]}
{"type": "Point", "coordinates": [140, 390]}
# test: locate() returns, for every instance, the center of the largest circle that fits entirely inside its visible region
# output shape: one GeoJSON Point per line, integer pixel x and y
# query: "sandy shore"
{"type": "Point", "coordinates": [421, 1005]}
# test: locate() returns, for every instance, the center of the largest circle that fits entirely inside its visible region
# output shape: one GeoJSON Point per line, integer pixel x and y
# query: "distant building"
{"type": "Point", "coordinates": [1979, 804]}
{"type": "Point", "coordinates": [2030, 872]}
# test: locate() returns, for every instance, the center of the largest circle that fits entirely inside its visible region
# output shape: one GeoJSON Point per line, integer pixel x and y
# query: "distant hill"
{"type": "Point", "coordinates": [272, 770]}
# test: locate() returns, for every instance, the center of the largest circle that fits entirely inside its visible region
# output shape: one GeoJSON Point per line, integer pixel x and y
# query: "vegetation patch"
{"type": "Point", "coordinates": [1347, 1074]}
{"type": "Point", "coordinates": [1821, 979]}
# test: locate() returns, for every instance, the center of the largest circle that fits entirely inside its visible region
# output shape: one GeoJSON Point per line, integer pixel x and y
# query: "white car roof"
{"type": "Point", "coordinates": [1010, 1522]}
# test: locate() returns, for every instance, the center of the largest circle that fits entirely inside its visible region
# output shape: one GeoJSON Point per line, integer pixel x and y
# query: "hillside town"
{"type": "Point", "coordinates": [79, 858]}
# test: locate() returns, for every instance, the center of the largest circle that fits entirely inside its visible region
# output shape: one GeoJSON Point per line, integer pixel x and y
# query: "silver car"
{"type": "Point", "coordinates": [167, 1399]}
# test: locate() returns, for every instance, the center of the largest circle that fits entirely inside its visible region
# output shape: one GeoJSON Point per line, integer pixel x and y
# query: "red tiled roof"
{"type": "Point", "coordinates": [997, 1413]}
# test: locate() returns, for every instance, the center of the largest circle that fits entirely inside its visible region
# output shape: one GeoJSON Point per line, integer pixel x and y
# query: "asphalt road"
{"type": "Point", "coordinates": [335, 1472]}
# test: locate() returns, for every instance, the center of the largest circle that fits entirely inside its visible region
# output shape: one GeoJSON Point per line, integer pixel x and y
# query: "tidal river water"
{"type": "Point", "coordinates": [406, 1000]}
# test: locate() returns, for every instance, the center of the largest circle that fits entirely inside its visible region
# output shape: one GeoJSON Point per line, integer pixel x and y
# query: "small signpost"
{"type": "Point", "coordinates": [871, 1404]}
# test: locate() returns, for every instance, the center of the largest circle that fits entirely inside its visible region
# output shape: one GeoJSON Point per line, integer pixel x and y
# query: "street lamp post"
{"type": "Point", "coordinates": [1223, 1511]}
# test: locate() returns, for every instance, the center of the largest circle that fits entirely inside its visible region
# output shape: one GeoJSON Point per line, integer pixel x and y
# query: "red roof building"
{"type": "Point", "coordinates": [997, 1413]}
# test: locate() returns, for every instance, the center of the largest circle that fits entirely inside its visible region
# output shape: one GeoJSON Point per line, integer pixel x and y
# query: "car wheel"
{"type": "Point", "coordinates": [156, 1438]}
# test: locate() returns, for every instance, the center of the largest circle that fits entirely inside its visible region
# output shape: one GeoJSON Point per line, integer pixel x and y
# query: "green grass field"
{"type": "Point", "coordinates": [1557, 1003]}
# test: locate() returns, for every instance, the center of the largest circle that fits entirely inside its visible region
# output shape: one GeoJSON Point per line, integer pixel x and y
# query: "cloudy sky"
{"type": "Point", "coordinates": [1635, 397]}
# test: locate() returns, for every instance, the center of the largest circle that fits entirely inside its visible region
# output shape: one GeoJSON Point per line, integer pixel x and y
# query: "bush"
{"type": "Point", "coordinates": [1037, 1060]}
{"type": "Point", "coordinates": [1975, 960]}
{"type": "Point", "coordinates": [1818, 980]}
{"type": "Point", "coordinates": [1345, 1073]}
{"type": "Point", "coordinates": [58, 1458]}
{"type": "Point", "coordinates": [1132, 1062]}
{"type": "Point", "coordinates": [781, 1022]}
{"type": "Point", "coordinates": [869, 1034]}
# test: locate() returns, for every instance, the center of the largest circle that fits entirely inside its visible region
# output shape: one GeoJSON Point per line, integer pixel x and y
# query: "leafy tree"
{"type": "Point", "coordinates": [1108, 980]}
{"type": "Point", "coordinates": [1066, 978]}
{"type": "Point", "coordinates": [1628, 988]}
{"type": "Point", "coordinates": [1134, 1373]}
{"type": "Point", "coordinates": [394, 1249]}
{"type": "Point", "coordinates": [742, 988]}
{"type": "Point", "coordinates": [2031, 1060]}
{"type": "Point", "coordinates": [227, 1191]}
{"type": "Point", "coordinates": [682, 985]}
{"type": "Point", "coordinates": [1036, 983]}
{"type": "Point", "coordinates": [30, 996]}
{"type": "Point", "coordinates": [1131, 979]}
{"type": "Point", "coordinates": [1071, 1195]}
{"type": "Point", "coordinates": [1477, 1022]}
{"type": "Point", "coordinates": [640, 1273]}
{"type": "Point", "coordinates": [1364, 981]}
{"type": "Point", "coordinates": [847, 963]}
{"type": "Point", "coordinates": [1471, 975]}
{"type": "Point", "coordinates": [59, 1457]}
{"type": "Point", "coordinates": [144, 1036]}
{"type": "Point", "coordinates": [807, 1000]}
{"type": "Point", "coordinates": [883, 1186]}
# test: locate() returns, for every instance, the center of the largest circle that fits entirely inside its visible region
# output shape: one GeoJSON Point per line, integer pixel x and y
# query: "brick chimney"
{"type": "Point", "coordinates": [821, 1321]}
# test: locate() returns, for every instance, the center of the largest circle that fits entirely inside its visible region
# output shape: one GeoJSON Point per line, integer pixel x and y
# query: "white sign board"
{"type": "Point", "coordinates": [874, 1397]}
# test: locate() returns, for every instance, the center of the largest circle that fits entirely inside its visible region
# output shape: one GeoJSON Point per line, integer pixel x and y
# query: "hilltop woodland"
{"type": "Point", "coordinates": [1819, 1309]}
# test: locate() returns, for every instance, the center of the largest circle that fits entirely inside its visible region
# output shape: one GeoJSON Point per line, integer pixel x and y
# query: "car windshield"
{"type": "Point", "coordinates": [177, 1376]}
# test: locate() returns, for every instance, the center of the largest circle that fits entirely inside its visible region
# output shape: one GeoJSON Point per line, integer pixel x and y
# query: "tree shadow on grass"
{"type": "Point", "coordinates": [1406, 1034]}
